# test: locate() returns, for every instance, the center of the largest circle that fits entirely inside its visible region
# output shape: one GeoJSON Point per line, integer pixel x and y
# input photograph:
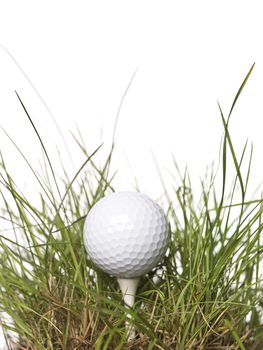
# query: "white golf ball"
{"type": "Point", "coordinates": [126, 234]}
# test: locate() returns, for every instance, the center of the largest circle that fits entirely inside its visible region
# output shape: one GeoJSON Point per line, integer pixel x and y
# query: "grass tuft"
{"type": "Point", "coordinates": [205, 294]}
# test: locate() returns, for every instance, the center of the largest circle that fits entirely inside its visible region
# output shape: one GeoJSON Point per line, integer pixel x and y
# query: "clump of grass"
{"type": "Point", "coordinates": [208, 294]}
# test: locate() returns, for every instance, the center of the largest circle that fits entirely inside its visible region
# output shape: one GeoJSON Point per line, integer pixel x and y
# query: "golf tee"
{"type": "Point", "coordinates": [128, 288]}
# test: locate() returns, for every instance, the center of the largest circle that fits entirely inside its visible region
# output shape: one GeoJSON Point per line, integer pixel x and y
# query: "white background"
{"type": "Point", "coordinates": [81, 55]}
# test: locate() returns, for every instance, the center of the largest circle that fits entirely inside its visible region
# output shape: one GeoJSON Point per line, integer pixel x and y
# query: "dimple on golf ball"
{"type": "Point", "coordinates": [126, 234]}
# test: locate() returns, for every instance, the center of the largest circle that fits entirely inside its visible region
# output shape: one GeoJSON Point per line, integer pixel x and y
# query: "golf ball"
{"type": "Point", "coordinates": [126, 234]}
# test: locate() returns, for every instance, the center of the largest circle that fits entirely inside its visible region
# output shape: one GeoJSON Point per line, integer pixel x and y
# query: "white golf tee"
{"type": "Point", "coordinates": [128, 288]}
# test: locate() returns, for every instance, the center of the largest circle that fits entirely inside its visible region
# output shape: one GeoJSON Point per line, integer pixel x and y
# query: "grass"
{"type": "Point", "coordinates": [205, 294]}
